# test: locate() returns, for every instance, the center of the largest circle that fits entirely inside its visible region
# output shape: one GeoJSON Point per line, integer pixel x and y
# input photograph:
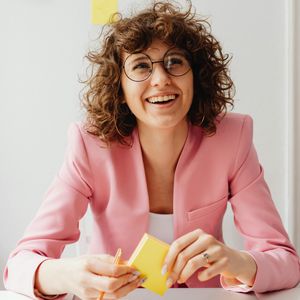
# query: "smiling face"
{"type": "Point", "coordinates": [162, 100]}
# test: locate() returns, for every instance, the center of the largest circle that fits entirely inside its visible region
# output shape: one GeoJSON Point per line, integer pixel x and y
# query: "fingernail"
{"type": "Point", "coordinates": [199, 276]}
{"type": "Point", "coordinates": [136, 273]}
{"type": "Point", "coordinates": [142, 280]}
{"type": "Point", "coordinates": [132, 278]}
{"type": "Point", "coordinates": [169, 282]}
{"type": "Point", "coordinates": [164, 270]}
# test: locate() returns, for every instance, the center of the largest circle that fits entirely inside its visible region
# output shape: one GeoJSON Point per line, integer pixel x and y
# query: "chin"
{"type": "Point", "coordinates": [170, 124]}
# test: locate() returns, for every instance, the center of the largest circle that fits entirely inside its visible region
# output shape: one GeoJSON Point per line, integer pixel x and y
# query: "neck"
{"type": "Point", "coordinates": [162, 147]}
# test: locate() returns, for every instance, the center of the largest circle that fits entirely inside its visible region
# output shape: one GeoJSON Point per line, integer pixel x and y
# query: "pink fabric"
{"type": "Point", "coordinates": [211, 171]}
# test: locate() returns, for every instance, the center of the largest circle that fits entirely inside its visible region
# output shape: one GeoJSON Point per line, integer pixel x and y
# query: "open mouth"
{"type": "Point", "coordinates": [161, 100]}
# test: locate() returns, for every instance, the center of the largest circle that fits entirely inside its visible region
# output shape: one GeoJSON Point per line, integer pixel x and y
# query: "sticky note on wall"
{"type": "Point", "coordinates": [101, 10]}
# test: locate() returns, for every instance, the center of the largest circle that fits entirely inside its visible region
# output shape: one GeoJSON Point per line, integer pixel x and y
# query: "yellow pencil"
{"type": "Point", "coordinates": [116, 262]}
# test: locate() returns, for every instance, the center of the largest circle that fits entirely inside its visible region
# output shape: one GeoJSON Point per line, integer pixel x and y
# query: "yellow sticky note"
{"type": "Point", "coordinates": [148, 258]}
{"type": "Point", "coordinates": [102, 10]}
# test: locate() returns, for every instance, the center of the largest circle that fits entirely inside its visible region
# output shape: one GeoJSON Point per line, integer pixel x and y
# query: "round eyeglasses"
{"type": "Point", "coordinates": [139, 66]}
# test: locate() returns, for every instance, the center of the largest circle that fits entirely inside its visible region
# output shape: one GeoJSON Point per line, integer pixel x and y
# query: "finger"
{"type": "Point", "coordinates": [203, 259]}
{"type": "Point", "coordinates": [95, 285]}
{"type": "Point", "coordinates": [110, 284]}
{"type": "Point", "coordinates": [177, 246]}
{"type": "Point", "coordinates": [100, 267]}
{"type": "Point", "coordinates": [124, 290]}
{"type": "Point", "coordinates": [186, 256]}
{"type": "Point", "coordinates": [216, 268]}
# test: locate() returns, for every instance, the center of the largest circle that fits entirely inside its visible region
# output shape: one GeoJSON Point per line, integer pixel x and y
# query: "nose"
{"type": "Point", "coordinates": [159, 76]}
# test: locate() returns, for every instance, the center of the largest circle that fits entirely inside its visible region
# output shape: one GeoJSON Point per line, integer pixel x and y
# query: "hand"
{"type": "Point", "coordinates": [86, 276]}
{"type": "Point", "coordinates": [198, 249]}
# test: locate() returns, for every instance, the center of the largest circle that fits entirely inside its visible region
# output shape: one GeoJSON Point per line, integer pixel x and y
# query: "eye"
{"type": "Point", "coordinates": [175, 61]}
{"type": "Point", "coordinates": [141, 66]}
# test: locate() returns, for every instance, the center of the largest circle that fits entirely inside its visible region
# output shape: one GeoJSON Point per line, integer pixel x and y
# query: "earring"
{"type": "Point", "coordinates": [203, 117]}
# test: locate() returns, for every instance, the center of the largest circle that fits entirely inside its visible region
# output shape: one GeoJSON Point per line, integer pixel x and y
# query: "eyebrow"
{"type": "Point", "coordinates": [152, 48]}
{"type": "Point", "coordinates": [177, 51]}
{"type": "Point", "coordinates": [137, 59]}
{"type": "Point", "coordinates": [172, 50]}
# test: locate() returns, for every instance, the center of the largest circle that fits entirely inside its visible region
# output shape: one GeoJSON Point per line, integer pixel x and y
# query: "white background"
{"type": "Point", "coordinates": [42, 45]}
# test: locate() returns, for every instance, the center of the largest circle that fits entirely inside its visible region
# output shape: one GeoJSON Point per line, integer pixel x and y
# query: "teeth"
{"type": "Point", "coordinates": [161, 99]}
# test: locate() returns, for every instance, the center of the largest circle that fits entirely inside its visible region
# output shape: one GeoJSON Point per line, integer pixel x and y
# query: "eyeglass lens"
{"type": "Point", "coordinates": [139, 66]}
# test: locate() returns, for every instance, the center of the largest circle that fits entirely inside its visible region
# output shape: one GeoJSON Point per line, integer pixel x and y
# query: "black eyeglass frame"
{"type": "Point", "coordinates": [185, 53]}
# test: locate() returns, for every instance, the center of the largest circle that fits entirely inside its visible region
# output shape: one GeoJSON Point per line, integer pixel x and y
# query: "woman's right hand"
{"type": "Point", "coordinates": [86, 276]}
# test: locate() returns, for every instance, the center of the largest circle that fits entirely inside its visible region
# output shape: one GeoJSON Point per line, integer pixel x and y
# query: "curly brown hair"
{"type": "Point", "coordinates": [108, 117]}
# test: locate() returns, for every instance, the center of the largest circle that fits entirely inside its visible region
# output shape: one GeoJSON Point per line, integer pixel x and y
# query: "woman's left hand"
{"type": "Point", "coordinates": [198, 249]}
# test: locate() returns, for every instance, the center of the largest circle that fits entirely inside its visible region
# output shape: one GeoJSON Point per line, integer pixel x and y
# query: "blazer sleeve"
{"type": "Point", "coordinates": [258, 221]}
{"type": "Point", "coordinates": [57, 220]}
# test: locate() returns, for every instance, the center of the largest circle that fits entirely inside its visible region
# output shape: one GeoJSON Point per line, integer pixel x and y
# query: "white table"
{"type": "Point", "coordinates": [213, 294]}
{"type": "Point", "coordinates": [190, 294]}
{"type": "Point", "coordinates": [292, 294]}
{"type": "Point", "coordinates": [171, 294]}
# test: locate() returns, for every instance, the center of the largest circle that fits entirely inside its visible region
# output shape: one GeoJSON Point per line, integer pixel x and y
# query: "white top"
{"type": "Point", "coordinates": [161, 226]}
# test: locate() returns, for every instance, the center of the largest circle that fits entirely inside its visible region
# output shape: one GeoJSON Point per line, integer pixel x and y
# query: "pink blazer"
{"type": "Point", "coordinates": [211, 171]}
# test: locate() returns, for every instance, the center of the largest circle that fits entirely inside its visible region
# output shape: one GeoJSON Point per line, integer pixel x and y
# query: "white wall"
{"type": "Point", "coordinates": [297, 119]}
{"type": "Point", "coordinates": [41, 56]}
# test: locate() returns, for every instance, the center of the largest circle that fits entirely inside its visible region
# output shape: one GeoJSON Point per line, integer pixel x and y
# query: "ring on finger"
{"type": "Point", "coordinates": [205, 256]}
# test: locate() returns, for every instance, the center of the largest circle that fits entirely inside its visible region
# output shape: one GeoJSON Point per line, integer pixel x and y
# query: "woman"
{"type": "Point", "coordinates": [158, 150]}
